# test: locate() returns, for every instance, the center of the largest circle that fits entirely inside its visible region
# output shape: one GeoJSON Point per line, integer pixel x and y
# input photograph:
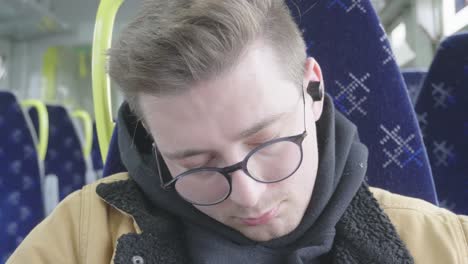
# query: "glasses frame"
{"type": "Point", "coordinates": [242, 165]}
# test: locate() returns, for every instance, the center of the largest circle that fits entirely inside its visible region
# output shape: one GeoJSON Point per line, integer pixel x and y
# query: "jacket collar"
{"type": "Point", "coordinates": [160, 240]}
{"type": "Point", "coordinates": [364, 234]}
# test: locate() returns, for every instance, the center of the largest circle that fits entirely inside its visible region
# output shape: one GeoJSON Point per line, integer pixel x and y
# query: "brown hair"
{"type": "Point", "coordinates": [172, 44]}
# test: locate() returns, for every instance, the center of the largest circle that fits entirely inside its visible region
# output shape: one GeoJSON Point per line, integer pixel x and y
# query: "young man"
{"type": "Point", "coordinates": [235, 155]}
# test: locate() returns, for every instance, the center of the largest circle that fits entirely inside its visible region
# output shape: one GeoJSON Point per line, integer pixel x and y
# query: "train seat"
{"type": "Point", "coordinates": [96, 154]}
{"type": "Point", "coordinates": [442, 108]}
{"type": "Point", "coordinates": [414, 80]}
{"type": "Point", "coordinates": [113, 162]}
{"type": "Point", "coordinates": [366, 85]}
{"type": "Point", "coordinates": [65, 152]}
{"type": "Point", "coordinates": [21, 176]}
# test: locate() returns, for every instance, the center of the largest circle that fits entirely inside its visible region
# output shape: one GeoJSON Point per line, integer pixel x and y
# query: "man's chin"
{"type": "Point", "coordinates": [265, 233]}
{"type": "Point", "coordinates": [261, 237]}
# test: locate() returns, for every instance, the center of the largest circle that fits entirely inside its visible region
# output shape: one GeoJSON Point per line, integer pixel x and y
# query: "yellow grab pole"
{"type": "Point", "coordinates": [101, 86]}
{"type": "Point", "coordinates": [49, 75]}
{"type": "Point", "coordinates": [88, 130]}
{"type": "Point", "coordinates": [43, 119]}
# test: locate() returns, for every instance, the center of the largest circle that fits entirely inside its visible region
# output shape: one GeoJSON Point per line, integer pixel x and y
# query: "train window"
{"type": "Point", "coordinates": [455, 16]}
{"type": "Point", "coordinates": [2, 66]}
{"type": "Point", "coordinates": [401, 48]}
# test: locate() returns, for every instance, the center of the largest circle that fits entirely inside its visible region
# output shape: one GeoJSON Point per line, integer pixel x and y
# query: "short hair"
{"type": "Point", "coordinates": [172, 44]}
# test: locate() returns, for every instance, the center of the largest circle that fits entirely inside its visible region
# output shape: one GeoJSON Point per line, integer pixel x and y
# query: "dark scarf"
{"type": "Point", "coordinates": [343, 223]}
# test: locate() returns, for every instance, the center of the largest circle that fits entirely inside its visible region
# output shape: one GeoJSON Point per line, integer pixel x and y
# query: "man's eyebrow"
{"type": "Point", "coordinates": [184, 154]}
{"type": "Point", "coordinates": [266, 122]}
{"type": "Point", "coordinates": [244, 134]}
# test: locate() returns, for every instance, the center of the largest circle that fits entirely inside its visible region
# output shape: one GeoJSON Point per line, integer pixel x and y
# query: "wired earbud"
{"type": "Point", "coordinates": [315, 90]}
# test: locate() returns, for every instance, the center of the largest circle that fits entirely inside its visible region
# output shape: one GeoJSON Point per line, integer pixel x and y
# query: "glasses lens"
{"type": "Point", "coordinates": [203, 187]}
{"type": "Point", "coordinates": [275, 162]}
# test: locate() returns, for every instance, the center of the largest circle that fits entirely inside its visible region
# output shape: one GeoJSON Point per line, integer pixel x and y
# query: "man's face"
{"type": "Point", "coordinates": [216, 123]}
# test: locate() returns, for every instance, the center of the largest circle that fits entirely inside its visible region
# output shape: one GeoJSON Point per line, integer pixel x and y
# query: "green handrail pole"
{"type": "Point", "coordinates": [43, 119]}
{"type": "Point", "coordinates": [88, 130]}
{"type": "Point", "coordinates": [49, 75]}
{"type": "Point", "coordinates": [101, 86]}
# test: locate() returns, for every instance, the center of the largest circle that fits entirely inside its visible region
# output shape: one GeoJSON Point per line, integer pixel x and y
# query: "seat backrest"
{"type": "Point", "coordinates": [414, 80]}
{"type": "Point", "coordinates": [96, 152]}
{"type": "Point", "coordinates": [361, 74]}
{"type": "Point", "coordinates": [21, 197]}
{"type": "Point", "coordinates": [442, 108]}
{"type": "Point", "coordinates": [113, 162]}
{"type": "Point", "coordinates": [64, 153]}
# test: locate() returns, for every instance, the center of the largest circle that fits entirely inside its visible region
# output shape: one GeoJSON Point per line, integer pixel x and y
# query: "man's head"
{"type": "Point", "coordinates": [213, 79]}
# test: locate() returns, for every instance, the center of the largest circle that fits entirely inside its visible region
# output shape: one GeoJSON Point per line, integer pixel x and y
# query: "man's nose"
{"type": "Point", "coordinates": [246, 192]}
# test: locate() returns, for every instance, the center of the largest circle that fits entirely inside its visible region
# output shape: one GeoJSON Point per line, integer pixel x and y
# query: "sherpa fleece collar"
{"type": "Point", "coordinates": [363, 235]}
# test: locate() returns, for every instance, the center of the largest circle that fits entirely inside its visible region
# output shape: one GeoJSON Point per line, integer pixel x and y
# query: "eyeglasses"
{"type": "Point", "coordinates": [270, 162]}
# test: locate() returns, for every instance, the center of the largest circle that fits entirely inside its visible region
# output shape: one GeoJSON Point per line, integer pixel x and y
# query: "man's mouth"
{"type": "Point", "coordinates": [261, 219]}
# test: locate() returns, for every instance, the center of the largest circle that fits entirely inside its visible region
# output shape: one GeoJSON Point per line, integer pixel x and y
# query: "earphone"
{"type": "Point", "coordinates": [315, 90]}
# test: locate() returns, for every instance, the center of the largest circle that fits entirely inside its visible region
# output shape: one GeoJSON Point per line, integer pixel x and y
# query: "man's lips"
{"type": "Point", "coordinates": [262, 219]}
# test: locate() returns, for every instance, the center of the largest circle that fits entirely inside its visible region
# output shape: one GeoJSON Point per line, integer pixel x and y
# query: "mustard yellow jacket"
{"type": "Point", "coordinates": [84, 229]}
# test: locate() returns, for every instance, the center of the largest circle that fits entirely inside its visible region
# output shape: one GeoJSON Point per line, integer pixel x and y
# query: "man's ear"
{"type": "Point", "coordinates": [312, 75]}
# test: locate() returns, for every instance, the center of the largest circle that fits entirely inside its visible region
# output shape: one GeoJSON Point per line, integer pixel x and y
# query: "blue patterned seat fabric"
{"type": "Point", "coordinates": [96, 152]}
{"type": "Point", "coordinates": [113, 162]}
{"type": "Point", "coordinates": [414, 80]}
{"type": "Point", "coordinates": [64, 154]}
{"type": "Point", "coordinates": [346, 38]}
{"type": "Point", "coordinates": [21, 200]}
{"type": "Point", "coordinates": [361, 74]}
{"type": "Point", "coordinates": [442, 109]}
